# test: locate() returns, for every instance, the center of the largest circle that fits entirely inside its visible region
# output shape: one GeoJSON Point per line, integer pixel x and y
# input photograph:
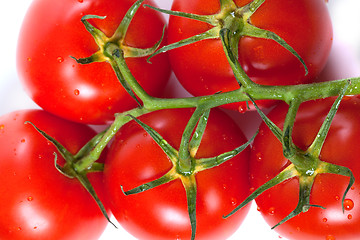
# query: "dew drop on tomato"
{"type": "Point", "coordinates": [60, 59]}
{"type": "Point", "coordinates": [330, 237]}
{"type": "Point", "coordinates": [348, 204]}
{"type": "Point", "coordinates": [271, 211]}
{"type": "Point", "coordinates": [76, 92]}
{"type": "Point", "coordinates": [259, 156]}
{"type": "Point", "coordinates": [234, 201]}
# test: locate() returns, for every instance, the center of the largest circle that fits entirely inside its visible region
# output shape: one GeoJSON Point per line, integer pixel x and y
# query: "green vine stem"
{"type": "Point", "coordinates": [304, 164]}
{"type": "Point", "coordinates": [289, 94]}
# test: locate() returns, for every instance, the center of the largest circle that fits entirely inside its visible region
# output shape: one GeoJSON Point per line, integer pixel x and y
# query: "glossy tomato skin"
{"type": "Point", "coordinates": [161, 213]}
{"type": "Point", "coordinates": [52, 32]}
{"type": "Point", "coordinates": [203, 69]}
{"type": "Point", "coordinates": [38, 202]}
{"type": "Point", "coordinates": [341, 148]}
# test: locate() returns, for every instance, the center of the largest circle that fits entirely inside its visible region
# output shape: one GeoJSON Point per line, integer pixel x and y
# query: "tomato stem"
{"type": "Point", "coordinates": [87, 160]}
{"type": "Point", "coordinates": [186, 163]}
{"type": "Point", "coordinates": [287, 173]}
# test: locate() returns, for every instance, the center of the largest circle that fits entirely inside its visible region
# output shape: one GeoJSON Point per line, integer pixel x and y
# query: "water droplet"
{"type": "Point", "coordinates": [29, 59]}
{"type": "Point", "coordinates": [252, 189]}
{"type": "Point", "coordinates": [145, 134]}
{"type": "Point", "coordinates": [258, 209]}
{"type": "Point", "coordinates": [352, 188]}
{"type": "Point", "coordinates": [77, 92]}
{"type": "Point", "coordinates": [348, 204]}
{"type": "Point", "coordinates": [242, 108]}
{"type": "Point", "coordinates": [22, 140]}
{"type": "Point", "coordinates": [233, 201]}
{"type": "Point", "coordinates": [225, 137]}
{"type": "Point", "coordinates": [349, 216]}
{"type": "Point", "coordinates": [330, 237]}
{"type": "Point", "coordinates": [30, 199]}
{"type": "Point", "coordinates": [271, 211]}
{"type": "Point", "coordinates": [225, 186]}
{"type": "Point", "coordinates": [259, 156]}
{"type": "Point", "coordinates": [80, 1]}
{"type": "Point", "coordinates": [19, 228]}
{"type": "Point", "coordinates": [60, 59]}
{"type": "Point", "coordinates": [324, 219]}
{"type": "Point", "coordinates": [337, 198]}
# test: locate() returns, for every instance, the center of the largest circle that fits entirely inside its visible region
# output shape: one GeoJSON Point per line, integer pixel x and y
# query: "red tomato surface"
{"type": "Point", "coordinates": [161, 213]}
{"type": "Point", "coordinates": [202, 67]}
{"type": "Point", "coordinates": [38, 202]}
{"type": "Point", "coordinates": [341, 147]}
{"type": "Point", "coordinates": [52, 32]}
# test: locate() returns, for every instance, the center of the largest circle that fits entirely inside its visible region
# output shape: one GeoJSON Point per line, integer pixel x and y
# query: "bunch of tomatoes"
{"type": "Point", "coordinates": [113, 137]}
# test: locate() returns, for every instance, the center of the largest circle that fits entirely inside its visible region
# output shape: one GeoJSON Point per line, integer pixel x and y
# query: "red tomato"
{"type": "Point", "coordinates": [52, 32]}
{"type": "Point", "coordinates": [203, 69]}
{"type": "Point", "coordinates": [341, 148]}
{"type": "Point", "coordinates": [161, 213]}
{"type": "Point", "coordinates": [38, 202]}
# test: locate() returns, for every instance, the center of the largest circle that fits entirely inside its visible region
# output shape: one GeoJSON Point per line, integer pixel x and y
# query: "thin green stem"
{"type": "Point", "coordinates": [289, 149]}
{"type": "Point", "coordinates": [87, 161]}
{"type": "Point", "coordinates": [284, 175]}
{"type": "Point", "coordinates": [118, 58]}
{"type": "Point", "coordinates": [186, 165]}
{"type": "Point", "coordinates": [319, 141]}
{"type": "Point", "coordinates": [124, 25]}
{"type": "Point", "coordinates": [239, 73]}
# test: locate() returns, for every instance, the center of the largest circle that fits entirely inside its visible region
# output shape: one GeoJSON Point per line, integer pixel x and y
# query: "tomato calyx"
{"type": "Point", "coordinates": [305, 165]}
{"type": "Point", "coordinates": [69, 168]}
{"type": "Point", "coordinates": [236, 19]}
{"type": "Point", "coordinates": [117, 38]}
{"type": "Point", "coordinates": [114, 48]}
{"type": "Point", "coordinates": [185, 165]}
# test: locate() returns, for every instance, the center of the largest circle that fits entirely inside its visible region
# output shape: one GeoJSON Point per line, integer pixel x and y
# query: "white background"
{"type": "Point", "coordinates": [344, 59]}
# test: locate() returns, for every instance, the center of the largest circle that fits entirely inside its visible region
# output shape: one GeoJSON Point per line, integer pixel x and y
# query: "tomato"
{"type": "Point", "coordinates": [203, 69]}
{"type": "Point", "coordinates": [38, 202]}
{"type": "Point", "coordinates": [161, 213]}
{"type": "Point", "coordinates": [340, 147]}
{"type": "Point", "coordinates": [52, 31]}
